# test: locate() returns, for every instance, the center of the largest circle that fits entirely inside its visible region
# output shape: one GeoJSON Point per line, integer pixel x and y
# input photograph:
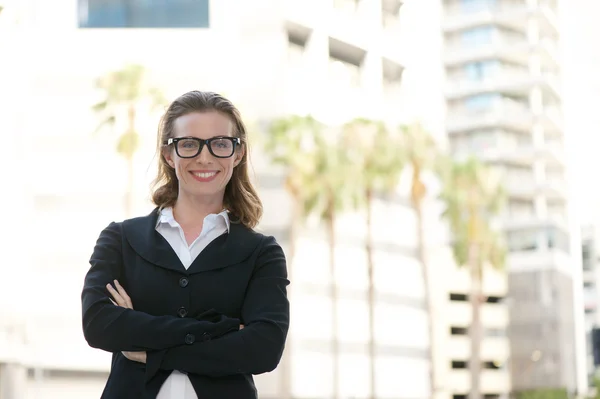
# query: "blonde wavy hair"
{"type": "Point", "coordinates": [241, 198]}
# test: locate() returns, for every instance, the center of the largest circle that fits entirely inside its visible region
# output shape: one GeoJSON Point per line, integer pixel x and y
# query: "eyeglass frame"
{"type": "Point", "coordinates": [203, 142]}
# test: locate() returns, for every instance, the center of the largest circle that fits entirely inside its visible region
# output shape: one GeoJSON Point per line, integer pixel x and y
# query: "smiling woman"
{"type": "Point", "coordinates": [190, 300]}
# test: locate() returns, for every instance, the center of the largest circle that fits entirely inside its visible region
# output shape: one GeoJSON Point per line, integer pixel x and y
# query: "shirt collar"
{"type": "Point", "coordinates": [166, 216]}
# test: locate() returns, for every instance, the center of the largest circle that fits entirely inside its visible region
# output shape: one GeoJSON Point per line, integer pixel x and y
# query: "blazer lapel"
{"type": "Point", "coordinates": [150, 244]}
{"type": "Point", "coordinates": [227, 250]}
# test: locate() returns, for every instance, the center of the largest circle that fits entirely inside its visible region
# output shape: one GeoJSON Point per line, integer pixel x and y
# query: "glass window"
{"type": "Point", "coordinates": [481, 102]}
{"type": "Point", "coordinates": [143, 13]}
{"type": "Point", "coordinates": [557, 239]}
{"type": "Point", "coordinates": [481, 35]}
{"type": "Point", "coordinates": [476, 5]}
{"type": "Point", "coordinates": [481, 70]}
{"type": "Point", "coordinates": [524, 240]}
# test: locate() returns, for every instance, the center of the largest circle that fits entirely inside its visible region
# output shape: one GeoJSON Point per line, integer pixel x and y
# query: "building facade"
{"type": "Point", "coordinates": [291, 59]}
{"type": "Point", "coordinates": [504, 105]}
{"type": "Point", "coordinates": [590, 252]}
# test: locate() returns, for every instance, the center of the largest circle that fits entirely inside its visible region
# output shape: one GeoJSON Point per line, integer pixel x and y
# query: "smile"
{"type": "Point", "coordinates": [204, 176]}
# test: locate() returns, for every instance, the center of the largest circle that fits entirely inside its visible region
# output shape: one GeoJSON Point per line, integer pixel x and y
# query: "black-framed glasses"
{"type": "Point", "coordinates": [190, 147]}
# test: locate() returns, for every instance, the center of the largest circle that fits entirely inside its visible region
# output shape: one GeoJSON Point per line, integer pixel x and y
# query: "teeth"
{"type": "Point", "coordinates": [205, 175]}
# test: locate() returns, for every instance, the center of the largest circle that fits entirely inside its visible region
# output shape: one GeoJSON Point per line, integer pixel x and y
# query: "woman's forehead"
{"type": "Point", "coordinates": [203, 125]}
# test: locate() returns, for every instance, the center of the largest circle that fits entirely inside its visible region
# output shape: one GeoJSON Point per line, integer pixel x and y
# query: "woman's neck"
{"type": "Point", "coordinates": [192, 211]}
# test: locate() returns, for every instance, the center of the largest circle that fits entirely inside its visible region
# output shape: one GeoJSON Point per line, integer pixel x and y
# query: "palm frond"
{"type": "Point", "coordinates": [108, 122]}
{"type": "Point", "coordinates": [123, 90]}
{"type": "Point", "coordinates": [472, 198]}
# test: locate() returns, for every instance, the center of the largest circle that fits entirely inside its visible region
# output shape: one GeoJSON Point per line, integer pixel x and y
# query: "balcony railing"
{"type": "Point", "coordinates": [457, 51]}
{"type": "Point", "coordinates": [493, 348]}
{"type": "Point", "coordinates": [502, 112]}
{"type": "Point", "coordinates": [491, 380]}
{"type": "Point", "coordinates": [511, 14]}
{"type": "Point", "coordinates": [492, 315]}
{"type": "Point", "coordinates": [459, 16]}
{"type": "Point", "coordinates": [505, 79]}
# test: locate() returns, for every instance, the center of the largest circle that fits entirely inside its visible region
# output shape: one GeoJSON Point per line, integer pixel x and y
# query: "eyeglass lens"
{"type": "Point", "coordinates": [189, 148]}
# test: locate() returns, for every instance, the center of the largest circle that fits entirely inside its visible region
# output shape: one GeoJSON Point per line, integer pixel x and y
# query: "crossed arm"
{"type": "Point", "coordinates": [160, 340]}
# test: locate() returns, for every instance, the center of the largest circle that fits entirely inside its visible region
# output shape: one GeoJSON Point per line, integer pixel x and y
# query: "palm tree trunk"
{"type": "Point", "coordinates": [475, 328]}
{"type": "Point", "coordinates": [286, 361]}
{"type": "Point", "coordinates": [371, 291]}
{"type": "Point", "coordinates": [422, 253]}
{"type": "Point", "coordinates": [330, 220]}
{"type": "Point", "coordinates": [130, 172]}
{"type": "Point", "coordinates": [129, 189]}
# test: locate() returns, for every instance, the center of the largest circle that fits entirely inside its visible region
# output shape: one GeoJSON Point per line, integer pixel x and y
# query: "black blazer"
{"type": "Point", "coordinates": [187, 320]}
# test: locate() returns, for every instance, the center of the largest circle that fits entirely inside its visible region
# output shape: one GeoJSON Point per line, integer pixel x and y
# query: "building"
{"type": "Point", "coordinates": [591, 293]}
{"type": "Point", "coordinates": [299, 57]}
{"type": "Point", "coordinates": [504, 104]}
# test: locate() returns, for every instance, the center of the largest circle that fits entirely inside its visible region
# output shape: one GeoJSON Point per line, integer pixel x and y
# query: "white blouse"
{"type": "Point", "coordinates": [178, 385]}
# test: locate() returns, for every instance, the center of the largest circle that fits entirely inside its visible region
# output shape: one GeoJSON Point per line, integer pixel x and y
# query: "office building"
{"type": "Point", "coordinates": [504, 105]}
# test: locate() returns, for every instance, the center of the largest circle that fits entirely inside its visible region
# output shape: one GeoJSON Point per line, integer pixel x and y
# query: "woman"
{"type": "Point", "coordinates": [189, 299]}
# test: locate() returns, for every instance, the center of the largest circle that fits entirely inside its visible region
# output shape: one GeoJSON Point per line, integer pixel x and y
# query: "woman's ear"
{"type": "Point", "coordinates": [239, 154]}
{"type": "Point", "coordinates": [167, 155]}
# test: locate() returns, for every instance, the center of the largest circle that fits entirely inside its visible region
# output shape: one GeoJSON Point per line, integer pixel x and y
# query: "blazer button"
{"type": "Point", "coordinates": [182, 312]}
{"type": "Point", "coordinates": [190, 339]}
{"type": "Point", "coordinates": [206, 337]}
{"type": "Point", "coordinates": [183, 282]}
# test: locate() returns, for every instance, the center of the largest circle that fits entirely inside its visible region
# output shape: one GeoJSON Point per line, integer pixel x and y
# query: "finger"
{"type": "Point", "coordinates": [113, 302]}
{"type": "Point", "coordinates": [124, 295]}
{"type": "Point", "coordinates": [120, 301]}
{"type": "Point", "coordinates": [241, 326]}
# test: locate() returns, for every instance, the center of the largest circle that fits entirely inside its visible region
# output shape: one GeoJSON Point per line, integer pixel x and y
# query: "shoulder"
{"type": "Point", "coordinates": [132, 226]}
{"type": "Point", "coordinates": [253, 236]}
{"type": "Point", "coordinates": [268, 247]}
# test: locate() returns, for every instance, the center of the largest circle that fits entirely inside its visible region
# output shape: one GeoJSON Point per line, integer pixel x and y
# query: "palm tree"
{"type": "Point", "coordinates": [473, 197]}
{"type": "Point", "coordinates": [332, 190]}
{"type": "Point", "coordinates": [290, 144]}
{"type": "Point", "coordinates": [421, 152]}
{"type": "Point", "coordinates": [123, 91]}
{"type": "Point", "coordinates": [372, 148]}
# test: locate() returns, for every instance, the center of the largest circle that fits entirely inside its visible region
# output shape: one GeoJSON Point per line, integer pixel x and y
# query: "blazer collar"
{"type": "Point", "coordinates": [229, 249]}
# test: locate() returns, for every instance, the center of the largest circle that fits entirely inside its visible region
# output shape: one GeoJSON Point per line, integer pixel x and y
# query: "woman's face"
{"type": "Point", "coordinates": [205, 175]}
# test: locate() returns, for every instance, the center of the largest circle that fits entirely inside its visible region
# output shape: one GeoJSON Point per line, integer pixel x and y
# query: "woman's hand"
{"type": "Point", "coordinates": [120, 298]}
{"type": "Point", "coordinates": [139, 357]}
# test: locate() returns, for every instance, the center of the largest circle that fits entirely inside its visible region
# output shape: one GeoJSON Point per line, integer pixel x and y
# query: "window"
{"type": "Point", "coordinates": [524, 240]}
{"type": "Point", "coordinates": [586, 255]}
{"type": "Point", "coordinates": [479, 36]}
{"type": "Point", "coordinates": [481, 102]}
{"type": "Point", "coordinates": [458, 297]}
{"type": "Point", "coordinates": [494, 299]}
{"type": "Point", "coordinates": [459, 331]}
{"type": "Point", "coordinates": [143, 13]}
{"type": "Point", "coordinates": [476, 5]}
{"type": "Point", "coordinates": [481, 70]}
{"type": "Point", "coordinates": [494, 332]}
{"type": "Point", "coordinates": [458, 364]}
{"type": "Point", "coordinates": [557, 239]}
{"type": "Point", "coordinates": [492, 365]}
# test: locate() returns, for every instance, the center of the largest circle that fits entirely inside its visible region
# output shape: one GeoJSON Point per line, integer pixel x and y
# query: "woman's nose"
{"type": "Point", "coordinates": [205, 156]}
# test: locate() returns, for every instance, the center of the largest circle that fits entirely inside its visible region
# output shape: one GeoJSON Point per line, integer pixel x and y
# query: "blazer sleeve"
{"type": "Point", "coordinates": [255, 349]}
{"type": "Point", "coordinates": [113, 328]}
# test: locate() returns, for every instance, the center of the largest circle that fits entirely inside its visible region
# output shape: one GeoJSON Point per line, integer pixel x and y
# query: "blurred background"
{"type": "Point", "coordinates": [426, 164]}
